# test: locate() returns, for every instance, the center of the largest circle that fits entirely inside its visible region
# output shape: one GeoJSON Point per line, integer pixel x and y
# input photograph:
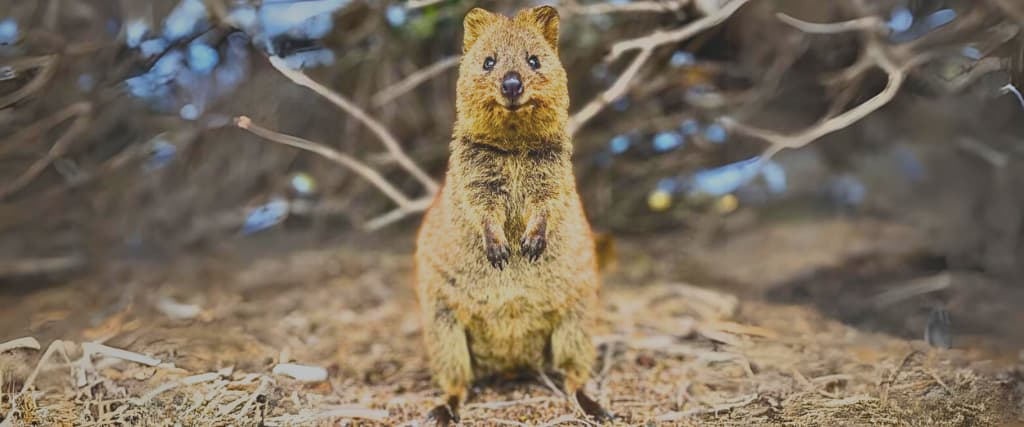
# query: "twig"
{"type": "Point", "coordinates": [336, 156]}
{"type": "Point", "coordinates": [56, 345]}
{"type": "Point", "coordinates": [353, 412]}
{"type": "Point", "coordinates": [1011, 8]}
{"type": "Point", "coordinates": [875, 54]}
{"type": "Point", "coordinates": [37, 266]}
{"type": "Point", "coordinates": [853, 400]}
{"type": "Point", "coordinates": [420, 4]}
{"type": "Point", "coordinates": [917, 287]}
{"type": "Point", "coordinates": [549, 384]}
{"type": "Point", "coordinates": [778, 142]}
{"type": "Point", "coordinates": [507, 403]}
{"type": "Point", "coordinates": [615, 91]}
{"type": "Point", "coordinates": [340, 411]}
{"type": "Point", "coordinates": [264, 383]}
{"type": "Point", "coordinates": [163, 388]}
{"type": "Point", "coordinates": [47, 66]}
{"type": "Point", "coordinates": [502, 422]}
{"type": "Point", "coordinates": [567, 418]}
{"type": "Point", "coordinates": [990, 155]}
{"type": "Point", "coordinates": [24, 342]}
{"type": "Point", "coordinates": [81, 112]}
{"type": "Point", "coordinates": [679, 415]}
{"type": "Point", "coordinates": [859, 24]}
{"type": "Point", "coordinates": [935, 376]}
{"type": "Point", "coordinates": [413, 80]}
{"type": "Point", "coordinates": [810, 386]}
{"type": "Point", "coordinates": [1010, 88]}
{"type": "Point", "coordinates": [91, 348]}
{"type": "Point", "coordinates": [574, 8]}
{"type": "Point", "coordinates": [41, 126]}
{"type": "Point", "coordinates": [887, 383]}
{"type": "Point", "coordinates": [301, 373]}
{"type": "Point", "coordinates": [415, 206]}
{"type": "Point", "coordinates": [723, 303]}
{"type": "Point", "coordinates": [659, 38]}
{"type": "Point", "coordinates": [981, 68]}
{"type": "Point", "coordinates": [389, 141]}
{"type": "Point", "coordinates": [645, 45]}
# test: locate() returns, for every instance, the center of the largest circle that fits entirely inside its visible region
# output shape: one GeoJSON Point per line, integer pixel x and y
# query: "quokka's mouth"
{"type": "Point", "coordinates": [517, 106]}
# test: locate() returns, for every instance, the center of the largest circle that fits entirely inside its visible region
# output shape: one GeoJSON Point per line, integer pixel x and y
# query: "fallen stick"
{"type": "Point", "coordinates": [679, 415]}
{"type": "Point", "coordinates": [91, 348]}
{"type": "Point", "coordinates": [24, 342]}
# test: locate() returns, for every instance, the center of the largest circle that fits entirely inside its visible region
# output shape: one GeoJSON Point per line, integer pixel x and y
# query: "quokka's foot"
{"type": "Point", "coordinates": [592, 408]}
{"type": "Point", "coordinates": [442, 416]}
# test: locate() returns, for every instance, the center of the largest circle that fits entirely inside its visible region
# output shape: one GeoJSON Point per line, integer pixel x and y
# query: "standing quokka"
{"type": "Point", "coordinates": [505, 267]}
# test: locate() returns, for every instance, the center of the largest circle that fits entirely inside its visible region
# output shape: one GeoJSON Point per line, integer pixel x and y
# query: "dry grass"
{"type": "Point", "coordinates": [671, 354]}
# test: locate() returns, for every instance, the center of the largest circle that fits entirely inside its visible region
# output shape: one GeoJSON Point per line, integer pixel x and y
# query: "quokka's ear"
{"type": "Point", "coordinates": [476, 22]}
{"type": "Point", "coordinates": [546, 19]}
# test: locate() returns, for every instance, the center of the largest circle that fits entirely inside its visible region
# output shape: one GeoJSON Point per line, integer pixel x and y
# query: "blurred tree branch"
{"type": "Point", "coordinates": [413, 80]}
{"type": "Point", "coordinates": [406, 206]}
{"type": "Point", "coordinates": [646, 46]}
{"type": "Point", "coordinates": [895, 61]}
{"type": "Point", "coordinates": [573, 7]}
{"type": "Point", "coordinates": [331, 154]}
{"type": "Point", "coordinates": [385, 136]}
{"type": "Point", "coordinates": [80, 111]}
{"type": "Point", "coordinates": [47, 65]}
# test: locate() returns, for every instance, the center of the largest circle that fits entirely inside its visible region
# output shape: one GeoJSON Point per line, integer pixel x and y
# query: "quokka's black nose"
{"type": "Point", "coordinates": [512, 86]}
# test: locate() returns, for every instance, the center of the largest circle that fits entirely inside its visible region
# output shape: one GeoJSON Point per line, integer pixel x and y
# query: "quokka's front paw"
{"type": "Point", "coordinates": [498, 253]}
{"type": "Point", "coordinates": [532, 246]}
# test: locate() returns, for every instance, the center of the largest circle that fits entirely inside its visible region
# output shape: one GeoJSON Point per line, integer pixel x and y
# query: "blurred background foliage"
{"type": "Point", "coordinates": [116, 134]}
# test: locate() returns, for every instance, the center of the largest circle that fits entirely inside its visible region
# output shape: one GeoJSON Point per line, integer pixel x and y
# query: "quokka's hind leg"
{"type": "Point", "coordinates": [572, 354]}
{"type": "Point", "coordinates": [449, 360]}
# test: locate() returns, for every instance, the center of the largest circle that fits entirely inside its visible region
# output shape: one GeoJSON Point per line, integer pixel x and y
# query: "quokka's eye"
{"type": "Point", "coordinates": [489, 63]}
{"type": "Point", "coordinates": [533, 61]}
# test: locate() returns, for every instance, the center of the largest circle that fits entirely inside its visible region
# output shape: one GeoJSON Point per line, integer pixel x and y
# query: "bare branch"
{"type": "Point", "coordinates": [872, 23]}
{"type": "Point", "coordinates": [389, 141]}
{"type": "Point", "coordinates": [416, 206]}
{"type": "Point", "coordinates": [661, 37]}
{"type": "Point", "coordinates": [574, 8]}
{"type": "Point", "coordinates": [1011, 8]}
{"type": "Point", "coordinates": [828, 126]}
{"type": "Point", "coordinates": [646, 46]}
{"type": "Point", "coordinates": [420, 4]}
{"type": "Point", "coordinates": [47, 66]}
{"type": "Point", "coordinates": [1010, 88]}
{"type": "Point", "coordinates": [405, 207]}
{"type": "Point", "coordinates": [40, 127]}
{"type": "Point", "coordinates": [875, 54]}
{"type": "Point", "coordinates": [36, 266]}
{"type": "Point", "coordinates": [615, 91]}
{"type": "Point", "coordinates": [331, 154]}
{"type": "Point", "coordinates": [81, 113]}
{"type": "Point", "coordinates": [409, 83]}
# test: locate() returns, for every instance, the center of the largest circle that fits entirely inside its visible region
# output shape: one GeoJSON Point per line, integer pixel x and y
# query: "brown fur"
{"type": "Point", "coordinates": [505, 266]}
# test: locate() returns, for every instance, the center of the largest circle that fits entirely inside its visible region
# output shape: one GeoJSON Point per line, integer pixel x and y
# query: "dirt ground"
{"type": "Point", "coordinates": [815, 323]}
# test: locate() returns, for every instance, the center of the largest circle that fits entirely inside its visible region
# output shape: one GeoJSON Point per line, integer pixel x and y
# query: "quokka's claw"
{"type": "Point", "coordinates": [533, 246]}
{"type": "Point", "coordinates": [498, 255]}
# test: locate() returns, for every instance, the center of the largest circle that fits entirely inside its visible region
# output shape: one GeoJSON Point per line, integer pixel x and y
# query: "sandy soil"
{"type": "Point", "coordinates": [792, 324]}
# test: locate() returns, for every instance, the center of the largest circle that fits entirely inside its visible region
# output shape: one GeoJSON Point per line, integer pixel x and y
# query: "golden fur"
{"type": "Point", "coordinates": [505, 266]}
